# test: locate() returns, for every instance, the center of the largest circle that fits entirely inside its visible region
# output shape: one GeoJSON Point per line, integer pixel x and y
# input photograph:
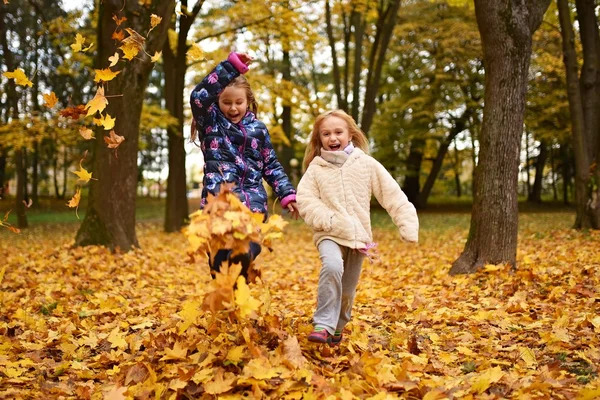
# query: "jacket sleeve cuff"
{"type": "Point", "coordinates": [287, 200]}
{"type": "Point", "coordinates": [237, 63]}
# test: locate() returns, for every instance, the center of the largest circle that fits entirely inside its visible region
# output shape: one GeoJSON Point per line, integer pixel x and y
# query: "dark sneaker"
{"type": "Point", "coordinates": [336, 339]}
{"type": "Point", "coordinates": [321, 336]}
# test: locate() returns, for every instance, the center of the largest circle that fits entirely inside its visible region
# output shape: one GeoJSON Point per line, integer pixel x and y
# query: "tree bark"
{"type": "Point", "coordinates": [175, 67]}
{"type": "Point", "coordinates": [540, 162]}
{"type": "Point", "coordinates": [414, 161]}
{"type": "Point", "coordinates": [341, 101]}
{"type": "Point", "coordinates": [582, 100]}
{"type": "Point", "coordinates": [13, 102]}
{"type": "Point", "coordinates": [110, 216]}
{"type": "Point", "coordinates": [388, 18]}
{"type": "Point", "coordinates": [2, 171]}
{"type": "Point", "coordinates": [506, 32]}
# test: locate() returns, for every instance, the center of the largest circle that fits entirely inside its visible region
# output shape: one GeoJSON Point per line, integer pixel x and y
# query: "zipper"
{"type": "Point", "coordinates": [245, 164]}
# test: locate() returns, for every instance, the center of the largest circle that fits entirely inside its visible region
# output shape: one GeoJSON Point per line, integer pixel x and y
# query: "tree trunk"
{"type": "Point", "coordinates": [359, 30]}
{"type": "Point", "coordinates": [414, 161]}
{"type": "Point", "coordinates": [110, 216]}
{"type": "Point", "coordinates": [566, 173]}
{"type": "Point", "coordinates": [35, 174]}
{"type": "Point", "coordinates": [175, 67]}
{"type": "Point", "coordinates": [341, 101]}
{"type": "Point", "coordinates": [287, 152]}
{"type": "Point", "coordinates": [540, 162]}
{"type": "Point", "coordinates": [527, 165]}
{"type": "Point", "coordinates": [457, 171]}
{"type": "Point", "coordinates": [13, 102]}
{"type": "Point", "coordinates": [553, 167]}
{"type": "Point", "coordinates": [2, 171]}
{"type": "Point", "coordinates": [581, 103]}
{"type": "Point", "coordinates": [506, 32]}
{"type": "Point", "coordinates": [385, 29]}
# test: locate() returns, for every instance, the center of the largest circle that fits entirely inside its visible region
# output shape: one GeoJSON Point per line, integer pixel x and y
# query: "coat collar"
{"type": "Point", "coordinates": [320, 161]}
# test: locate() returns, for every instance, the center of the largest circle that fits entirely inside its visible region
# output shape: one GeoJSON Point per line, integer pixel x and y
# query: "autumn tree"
{"type": "Point", "coordinates": [583, 90]}
{"type": "Point", "coordinates": [110, 216]}
{"type": "Point", "coordinates": [506, 30]}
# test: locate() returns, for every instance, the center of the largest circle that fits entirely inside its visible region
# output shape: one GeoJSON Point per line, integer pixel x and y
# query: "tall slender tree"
{"type": "Point", "coordinates": [506, 28]}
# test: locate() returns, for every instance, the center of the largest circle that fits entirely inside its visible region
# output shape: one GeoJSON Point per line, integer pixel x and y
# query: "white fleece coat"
{"type": "Point", "coordinates": [334, 198]}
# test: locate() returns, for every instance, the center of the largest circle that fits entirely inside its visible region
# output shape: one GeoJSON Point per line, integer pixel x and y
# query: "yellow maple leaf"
{"type": "Point", "coordinates": [247, 304]}
{"type": "Point", "coordinates": [220, 384]}
{"type": "Point", "coordinates": [113, 60]}
{"type": "Point", "coordinates": [83, 174]}
{"type": "Point", "coordinates": [528, 356]}
{"type": "Point", "coordinates": [191, 310]}
{"type": "Point", "coordinates": [235, 354]}
{"type": "Point", "coordinates": [129, 51]}
{"type": "Point", "coordinates": [154, 21]}
{"type": "Point", "coordinates": [117, 339]}
{"type": "Point", "coordinates": [195, 53]}
{"type": "Point", "coordinates": [97, 104]}
{"type": "Point", "coordinates": [259, 368]}
{"type": "Point", "coordinates": [107, 122]}
{"type": "Point", "coordinates": [2, 273]}
{"type": "Point", "coordinates": [484, 380]}
{"type": "Point", "coordinates": [79, 42]}
{"type": "Point", "coordinates": [588, 394]}
{"type": "Point", "coordinates": [156, 57]}
{"type": "Point", "coordinates": [50, 100]}
{"type": "Point", "coordinates": [178, 352]}
{"type": "Point", "coordinates": [105, 75]}
{"type": "Point", "coordinates": [19, 76]}
{"type": "Point", "coordinates": [86, 133]}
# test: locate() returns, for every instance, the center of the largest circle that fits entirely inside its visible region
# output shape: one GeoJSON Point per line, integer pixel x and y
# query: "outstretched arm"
{"type": "Point", "coordinates": [205, 94]}
{"type": "Point", "coordinates": [312, 209]}
{"type": "Point", "coordinates": [392, 198]}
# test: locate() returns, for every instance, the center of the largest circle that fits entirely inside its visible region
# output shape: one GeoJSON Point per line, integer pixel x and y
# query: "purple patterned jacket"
{"type": "Point", "coordinates": [240, 153]}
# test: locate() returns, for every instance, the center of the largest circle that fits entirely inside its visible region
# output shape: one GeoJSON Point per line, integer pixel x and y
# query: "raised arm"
{"type": "Point", "coordinates": [392, 198]}
{"type": "Point", "coordinates": [312, 209]}
{"type": "Point", "coordinates": [275, 175]}
{"type": "Point", "coordinates": [205, 94]}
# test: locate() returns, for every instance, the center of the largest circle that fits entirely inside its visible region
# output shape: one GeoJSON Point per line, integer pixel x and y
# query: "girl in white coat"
{"type": "Point", "coordinates": [334, 197]}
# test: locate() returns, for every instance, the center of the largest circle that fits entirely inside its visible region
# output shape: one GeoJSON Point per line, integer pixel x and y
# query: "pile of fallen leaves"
{"type": "Point", "coordinates": [85, 323]}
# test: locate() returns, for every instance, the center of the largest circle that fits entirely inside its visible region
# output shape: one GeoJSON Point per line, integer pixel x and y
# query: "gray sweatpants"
{"type": "Point", "coordinates": [338, 279]}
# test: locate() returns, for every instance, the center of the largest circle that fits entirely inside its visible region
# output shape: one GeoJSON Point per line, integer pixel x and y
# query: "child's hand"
{"type": "Point", "coordinates": [293, 209]}
{"type": "Point", "coordinates": [245, 58]}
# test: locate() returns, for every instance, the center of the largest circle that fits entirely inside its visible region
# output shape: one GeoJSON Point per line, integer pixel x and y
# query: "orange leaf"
{"type": "Point", "coordinates": [73, 112]}
{"type": "Point", "coordinates": [50, 100]}
{"type": "Point", "coordinates": [118, 36]}
{"type": "Point", "coordinates": [86, 133]}
{"type": "Point", "coordinates": [113, 141]}
{"type": "Point", "coordinates": [118, 20]}
{"type": "Point", "coordinates": [74, 202]}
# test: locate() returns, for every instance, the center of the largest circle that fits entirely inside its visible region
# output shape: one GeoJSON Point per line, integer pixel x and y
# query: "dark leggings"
{"type": "Point", "coordinates": [225, 255]}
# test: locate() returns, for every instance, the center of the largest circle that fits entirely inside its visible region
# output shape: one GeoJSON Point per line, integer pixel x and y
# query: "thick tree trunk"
{"type": "Point", "coordinates": [540, 162]}
{"type": "Point", "coordinates": [414, 161]}
{"type": "Point", "coordinates": [566, 171]}
{"type": "Point", "coordinates": [110, 216]}
{"type": "Point", "coordinates": [341, 100]}
{"type": "Point", "coordinates": [581, 105]}
{"type": "Point", "coordinates": [506, 31]}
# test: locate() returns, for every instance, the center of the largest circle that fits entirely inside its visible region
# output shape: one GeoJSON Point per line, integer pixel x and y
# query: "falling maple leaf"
{"type": "Point", "coordinates": [119, 20]}
{"type": "Point", "coordinates": [106, 121]}
{"type": "Point", "coordinates": [129, 51]}
{"type": "Point", "coordinates": [74, 202]}
{"type": "Point", "coordinates": [105, 75]}
{"type": "Point", "coordinates": [247, 304]}
{"type": "Point", "coordinates": [8, 226]}
{"type": "Point", "coordinates": [113, 140]}
{"type": "Point", "coordinates": [156, 57]}
{"type": "Point", "coordinates": [118, 35]}
{"type": "Point", "coordinates": [79, 42]}
{"type": "Point", "coordinates": [86, 133]}
{"type": "Point", "coordinates": [113, 59]}
{"type": "Point", "coordinates": [50, 100]}
{"type": "Point", "coordinates": [132, 44]}
{"type": "Point", "coordinates": [154, 21]}
{"type": "Point", "coordinates": [19, 76]}
{"type": "Point", "coordinates": [73, 112]}
{"type": "Point", "coordinates": [195, 53]}
{"type": "Point", "coordinates": [83, 175]}
{"type": "Point", "coordinates": [98, 103]}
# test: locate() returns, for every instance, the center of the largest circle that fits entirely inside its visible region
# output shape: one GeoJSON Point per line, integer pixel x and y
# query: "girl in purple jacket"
{"type": "Point", "coordinates": [236, 147]}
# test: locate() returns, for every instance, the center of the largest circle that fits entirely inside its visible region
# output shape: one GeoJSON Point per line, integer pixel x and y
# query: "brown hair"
{"type": "Point", "coordinates": [238, 82]}
{"type": "Point", "coordinates": [357, 137]}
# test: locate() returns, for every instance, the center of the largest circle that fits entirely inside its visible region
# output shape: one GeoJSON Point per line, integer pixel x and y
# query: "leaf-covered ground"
{"type": "Point", "coordinates": [84, 323]}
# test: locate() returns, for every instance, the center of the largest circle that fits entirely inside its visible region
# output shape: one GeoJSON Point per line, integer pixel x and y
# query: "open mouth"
{"type": "Point", "coordinates": [335, 147]}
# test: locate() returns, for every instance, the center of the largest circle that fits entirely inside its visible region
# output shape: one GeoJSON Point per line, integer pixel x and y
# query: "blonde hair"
{"type": "Point", "coordinates": [357, 136]}
{"type": "Point", "coordinates": [238, 82]}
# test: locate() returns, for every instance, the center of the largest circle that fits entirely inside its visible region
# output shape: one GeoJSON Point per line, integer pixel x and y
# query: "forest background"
{"type": "Point", "coordinates": [486, 118]}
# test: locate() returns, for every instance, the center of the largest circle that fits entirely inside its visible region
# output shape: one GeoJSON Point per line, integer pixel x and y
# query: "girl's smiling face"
{"type": "Point", "coordinates": [233, 102]}
{"type": "Point", "coordinates": [334, 133]}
